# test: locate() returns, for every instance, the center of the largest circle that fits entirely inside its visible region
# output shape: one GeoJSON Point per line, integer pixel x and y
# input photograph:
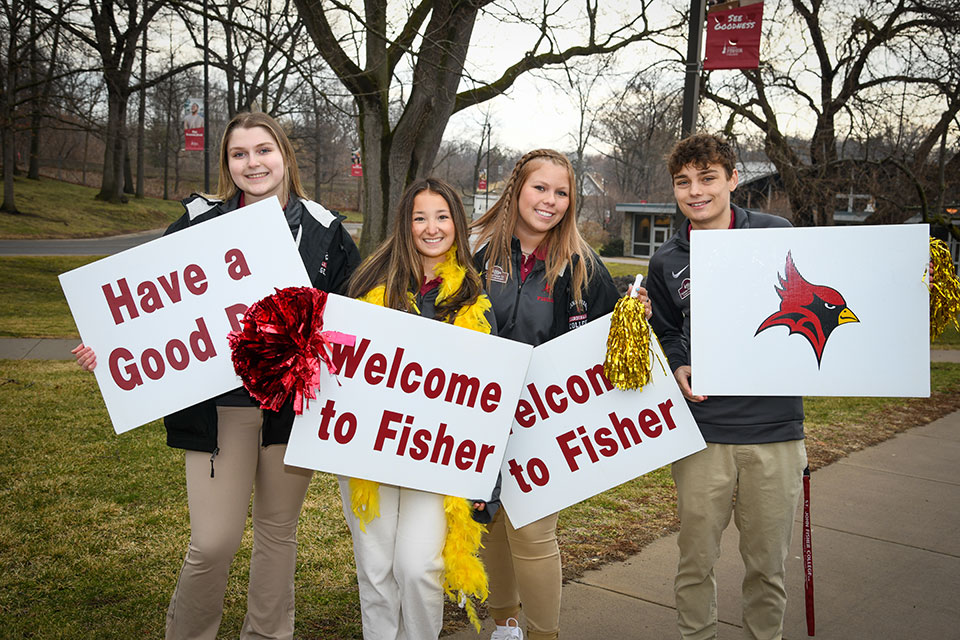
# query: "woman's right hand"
{"type": "Point", "coordinates": [86, 358]}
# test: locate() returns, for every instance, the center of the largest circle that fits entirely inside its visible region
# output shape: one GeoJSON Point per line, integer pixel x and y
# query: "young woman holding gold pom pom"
{"type": "Point", "coordinates": [544, 280]}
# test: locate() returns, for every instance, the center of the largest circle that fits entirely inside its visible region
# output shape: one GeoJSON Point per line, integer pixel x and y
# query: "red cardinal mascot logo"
{"type": "Point", "coordinates": [811, 310]}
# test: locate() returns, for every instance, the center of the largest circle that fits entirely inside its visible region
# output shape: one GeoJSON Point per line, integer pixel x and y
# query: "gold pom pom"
{"type": "Point", "coordinates": [944, 289]}
{"type": "Point", "coordinates": [628, 364]}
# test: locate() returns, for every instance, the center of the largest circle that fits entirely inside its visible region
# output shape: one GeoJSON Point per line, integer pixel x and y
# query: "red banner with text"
{"type": "Point", "coordinates": [733, 38]}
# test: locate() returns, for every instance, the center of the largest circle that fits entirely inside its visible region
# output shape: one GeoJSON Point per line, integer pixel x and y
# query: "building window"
{"type": "Point", "coordinates": [641, 235]}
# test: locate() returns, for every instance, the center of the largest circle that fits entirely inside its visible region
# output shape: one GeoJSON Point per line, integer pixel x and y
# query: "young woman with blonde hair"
{"type": "Point", "coordinates": [543, 280]}
{"type": "Point", "coordinates": [233, 448]}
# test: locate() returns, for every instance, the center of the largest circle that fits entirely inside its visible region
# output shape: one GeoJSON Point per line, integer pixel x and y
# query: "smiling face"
{"type": "Point", "coordinates": [703, 194]}
{"type": "Point", "coordinates": [256, 164]}
{"type": "Point", "coordinates": [433, 229]}
{"type": "Point", "coordinates": [542, 202]}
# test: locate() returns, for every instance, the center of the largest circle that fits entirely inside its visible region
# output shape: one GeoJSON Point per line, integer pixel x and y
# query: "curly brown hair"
{"type": "Point", "coordinates": [702, 150]}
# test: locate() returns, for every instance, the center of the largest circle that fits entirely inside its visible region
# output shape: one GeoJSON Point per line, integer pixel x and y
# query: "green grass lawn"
{"type": "Point", "coordinates": [31, 300]}
{"type": "Point", "coordinates": [54, 209]}
{"type": "Point", "coordinates": [93, 525]}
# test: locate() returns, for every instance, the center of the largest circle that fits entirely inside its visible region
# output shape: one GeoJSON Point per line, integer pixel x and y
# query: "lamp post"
{"type": "Point", "coordinates": [206, 103]}
{"type": "Point", "coordinates": [486, 194]}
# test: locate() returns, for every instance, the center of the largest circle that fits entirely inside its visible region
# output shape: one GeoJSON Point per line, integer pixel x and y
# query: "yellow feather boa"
{"type": "Point", "coordinates": [463, 573]}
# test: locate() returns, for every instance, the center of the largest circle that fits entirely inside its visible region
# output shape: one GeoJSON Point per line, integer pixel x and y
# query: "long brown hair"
{"type": "Point", "coordinates": [497, 225]}
{"type": "Point", "coordinates": [226, 188]}
{"type": "Point", "coordinates": [396, 264]}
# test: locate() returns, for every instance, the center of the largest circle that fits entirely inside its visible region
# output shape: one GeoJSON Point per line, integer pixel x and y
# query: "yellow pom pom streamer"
{"type": "Point", "coordinates": [628, 364]}
{"type": "Point", "coordinates": [463, 573]}
{"type": "Point", "coordinates": [364, 500]}
{"type": "Point", "coordinates": [944, 290]}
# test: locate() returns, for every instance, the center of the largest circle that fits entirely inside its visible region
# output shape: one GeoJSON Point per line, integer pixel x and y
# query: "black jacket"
{"type": "Point", "coordinates": [722, 419]}
{"type": "Point", "coordinates": [528, 312]}
{"type": "Point", "coordinates": [329, 255]}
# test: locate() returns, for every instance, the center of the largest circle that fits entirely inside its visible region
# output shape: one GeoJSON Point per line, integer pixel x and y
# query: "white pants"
{"type": "Point", "coordinates": [399, 562]}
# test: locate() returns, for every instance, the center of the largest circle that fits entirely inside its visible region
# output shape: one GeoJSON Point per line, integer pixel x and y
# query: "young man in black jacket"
{"type": "Point", "coordinates": [755, 450]}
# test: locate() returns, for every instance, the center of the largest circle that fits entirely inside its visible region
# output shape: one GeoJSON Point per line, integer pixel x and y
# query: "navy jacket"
{"type": "Point", "coordinates": [722, 419]}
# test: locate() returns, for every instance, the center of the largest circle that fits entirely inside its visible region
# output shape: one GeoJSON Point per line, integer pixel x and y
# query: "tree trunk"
{"type": "Point", "coordinates": [111, 186]}
{"type": "Point", "coordinates": [142, 117]}
{"type": "Point", "coordinates": [8, 206]}
{"type": "Point", "coordinates": [128, 186]}
{"type": "Point", "coordinates": [33, 168]}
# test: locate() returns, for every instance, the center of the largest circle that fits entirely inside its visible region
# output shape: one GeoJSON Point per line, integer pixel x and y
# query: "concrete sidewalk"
{"type": "Point", "coordinates": [885, 548]}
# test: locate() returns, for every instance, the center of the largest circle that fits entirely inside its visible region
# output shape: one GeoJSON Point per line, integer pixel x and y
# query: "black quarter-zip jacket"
{"type": "Point", "coordinates": [528, 311]}
{"type": "Point", "coordinates": [722, 419]}
{"type": "Point", "coordinates": [329, 255]}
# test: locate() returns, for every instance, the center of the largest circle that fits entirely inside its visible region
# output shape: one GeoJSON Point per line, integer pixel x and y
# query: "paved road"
{"type": "Point", "coordinates": [77, 246]}
{"type": "Point", "coordinates": [96, 246]}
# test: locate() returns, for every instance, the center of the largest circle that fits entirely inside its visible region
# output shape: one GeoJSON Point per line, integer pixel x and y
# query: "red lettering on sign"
{"type": "Point", "coordinates": [577, 442]}
{"type": "Point", "coordinates": [150, 298]}
{"type": "Point", "coordinates": [453, 387]}
{"type": "Point", "coordinates": [423, 444]}
{"type": "Point", "coordinates": [127, 375]}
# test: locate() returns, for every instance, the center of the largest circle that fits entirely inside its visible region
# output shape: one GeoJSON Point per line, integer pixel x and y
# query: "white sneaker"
{"type": "Point", "coordinates": [508, 631]}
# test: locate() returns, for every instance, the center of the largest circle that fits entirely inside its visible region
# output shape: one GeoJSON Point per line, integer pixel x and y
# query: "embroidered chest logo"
{"type": "Point", "coordinates": [684, 290]}
{"type": "Point", "coordinates": [497, 274]}
{"type": "Point", "coordinates": [545, 294]}
{"type": "Point", "coordinates": [811, 310]}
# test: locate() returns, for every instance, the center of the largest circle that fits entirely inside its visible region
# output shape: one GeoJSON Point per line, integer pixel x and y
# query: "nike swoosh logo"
{"type": "Point", "coordinates": [677, 274]}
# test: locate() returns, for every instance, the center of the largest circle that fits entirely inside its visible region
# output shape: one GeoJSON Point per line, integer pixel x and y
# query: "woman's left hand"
{"type": "Point", "coordinates": [479, 505]}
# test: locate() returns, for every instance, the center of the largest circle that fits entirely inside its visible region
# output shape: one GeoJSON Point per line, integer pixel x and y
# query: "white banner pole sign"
{"type": "Point", "coordinates": [827, 311]}
{"type": "Point", "coordinates": [575, 435]}
{"type": "Point", "coordinates": [158, 315]}
{"type": "Point", "coordinates": [416, 403]}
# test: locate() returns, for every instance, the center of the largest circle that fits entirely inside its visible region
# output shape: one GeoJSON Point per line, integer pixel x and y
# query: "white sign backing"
{"type": "Point", "coordinates": [158, 315]}
{"type": "Point", "coordinates": [828, 311]}
{"type": "Point", "coordinates": [575, 435]}
{"type": "Point", "coordinates": [416, 403]}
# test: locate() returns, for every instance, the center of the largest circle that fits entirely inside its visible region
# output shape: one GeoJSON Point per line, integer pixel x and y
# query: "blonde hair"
{"type": "Point", "coordinates": [227, 188]}
{"type": "Point", "coordinates": [396, 264]}
{"type": "Point", "coordinates": [497, 225]}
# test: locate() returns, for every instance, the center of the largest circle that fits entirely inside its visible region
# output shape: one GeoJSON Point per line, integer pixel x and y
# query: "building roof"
{"type": "Point", "coordinates": [753, 171]}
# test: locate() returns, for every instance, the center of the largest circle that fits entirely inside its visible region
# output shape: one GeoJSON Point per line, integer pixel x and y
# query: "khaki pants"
{"type": "Point", "coordinates": [524, 567]}
{"type": "Point", "coordinates": [766, 480]}
{"type": "Point", "coordinates": [218, 516]}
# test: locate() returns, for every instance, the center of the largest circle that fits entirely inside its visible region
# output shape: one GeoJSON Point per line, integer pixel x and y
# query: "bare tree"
{"type": "Point", "coordinates": [364, 51]}
{"type": "Point", "coordinates": [113, 29]}
{"type": "Point", "coordinates": [16, 18]}
{"type": "Point", "coordinates": [639, 128]}
{"type": "Point", "coordinates": [829, 64]}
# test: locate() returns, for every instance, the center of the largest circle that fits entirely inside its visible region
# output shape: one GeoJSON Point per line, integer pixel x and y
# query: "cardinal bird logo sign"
{"type": "Point", "coordinates": [811, 310]}
{"type": "Point", "coordinates": [814, 311]}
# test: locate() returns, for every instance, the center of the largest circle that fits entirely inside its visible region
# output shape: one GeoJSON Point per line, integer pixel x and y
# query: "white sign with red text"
{"type": "Point", "coordinates": [158, 315]}
{"type": "Point", "coordinates": [575, 435]}
{"type": "Point", "coordinates": [416, 403]}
